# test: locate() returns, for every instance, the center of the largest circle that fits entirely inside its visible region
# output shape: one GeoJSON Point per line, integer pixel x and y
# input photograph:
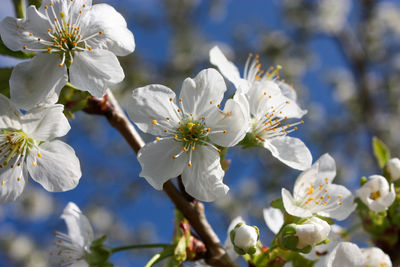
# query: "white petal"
{"type": "Point", "coordinates": [158, 164]}
{"type": "Point", "coordinates": [290, 205]}
{"type": "Point", "coordinates": [45, 123]}
{"type": "Point", "coordinates": [288, 91]}
{"type": "Point", "coordinates": [261, 96]}
{"type": "Point", "coordinates": [58, 6]}
{"type": "Point", "coordinates": [342, 203]}
{"type": "Point", "coordinates": [227, 68]}
{"type": "Point", "coordinates": [150, 103]}
{"type": "Point", "coordinates": [76, 6]}
{"type": "Point", "coordinates": [376, 257]}
{"type": "Point", "coordinates": [273, 218]}
{"type": "Point", "coordinates": [203, 93]}
{"type": "Point", "coordinates": [79, 228]}
{"type": "Point", "coordinates": [346, 254]}
{"type": "Point", "coordinates": [232, 119]}
{"type": "Point", "coordinates": [324, 167]}
{"type": "Point", "coordinates": [80, 263]}
{"type": "Point", "coordinates": [15, 33]}
{"type": "Point", "coordinates": [95, 70]}
{"type": "Point", "coordinates": [58, 169]}
{"type": "Point", "coordinates": [32, 82]}
{"type": "Point", "coordinates": [291, 151]}
{"type": "Point", "coordinates": [10, 186]}
{"type": "Point", "coordinates": [9, 114]}
{"type": "Point", "coordinates": [204, 179]}
{"type": "Point", "coordinates": [116, 36]}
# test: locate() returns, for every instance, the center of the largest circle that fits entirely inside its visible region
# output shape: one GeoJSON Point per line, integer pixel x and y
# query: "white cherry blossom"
{"type": "Point", "coordinates": [269, 103]}
{"type": "Point", "coordinates": [314, 193]}
{"type": "Point", "coordinates": [71, 249]}
{"type": "Point", "coordinates": [187, 129]}
{"type": "Point", "coordinates": [74, 41]}
{"type": "Point", "coordinates": [28, 146]}
{"type": "Point", "coordinates": [347, 254]}
{"type": "Point", "coordinates": [376, 193]}
{"type": "Point", "coordinates": [393, 168]}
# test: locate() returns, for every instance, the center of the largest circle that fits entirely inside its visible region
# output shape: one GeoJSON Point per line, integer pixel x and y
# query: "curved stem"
{"type": "Point", "coordinates": [139, 246]}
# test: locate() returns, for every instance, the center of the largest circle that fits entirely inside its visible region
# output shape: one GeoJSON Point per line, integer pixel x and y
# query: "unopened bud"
{"type": "Point", "coordinates": [312, 232]}
{"type": "Point", "coordinates": [393, 168]}
{"type": "Point", "coordinates": [244, 238]}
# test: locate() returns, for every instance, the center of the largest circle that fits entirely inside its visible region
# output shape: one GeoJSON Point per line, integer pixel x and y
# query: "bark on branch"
{"type": "Point", "coordinates": [192, 210]}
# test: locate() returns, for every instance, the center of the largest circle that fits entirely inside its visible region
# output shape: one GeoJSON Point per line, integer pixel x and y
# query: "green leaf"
{"type": "Point", "coordinates": [5, 74]}
{"type": "Point", "coordinates": [36, 3]}
{"type": "Point", "coordinates": [278, 204]}
{"type": "Point", "coordinates": [381, 152]}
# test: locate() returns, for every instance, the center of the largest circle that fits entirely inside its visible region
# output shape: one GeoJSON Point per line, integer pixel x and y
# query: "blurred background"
{"type": "Point", "coordinates": [342, 57]}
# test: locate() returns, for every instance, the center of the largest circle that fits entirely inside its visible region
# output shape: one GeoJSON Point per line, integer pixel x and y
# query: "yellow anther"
{"type": "Point", "coordinates": [193, 148]}
{"type": "Point", "coordinates": [302, 122]}
{"type": "Point", "coordinates": [167, 118]}
{"type": "Point", "coordinates": [3, 182]}
{"type": "Point", "coordinates": [30, 34]}
{"type": "Point", "coordinates": [340, 203]}
{"type": "Point", "coordinates": [190, 164]}
{"type": "Point", "coordinates": [219, 150]}
{"type": "Point", "coordinates": [154, 122]}
{"type": "Point", "coordinates": [310, 190]}
{"type": "Point", "coordinates": [62, 14]}
{"type": "Point", "coordinates": [191, 114]}
{"type": "Point", "coordinates": [326, 180]}
{"type": "Point", "coordinates": [208, 130]}
{"type": "Point", "coordinates": [158, 138]}
{"type": "Point", "coordinates": [170, 99]}
{"type": "Point", "coordinates": [39, 155]}
{"type": "Point", "coordinates": [190, 125]}
{"type": "Point", "coordinates": [321, 186]}
{"type": "Point", "coordinates": [25, 47]}
{"type": "Point", "coordinates": [19, 179]}
{"type": "Point", "coordinates": [184, 149]}
{"type": "Point", "coordinates": [34, 164]}
{"type": "Point", "coordinates": [60, 65]}
{"type": "Point", "coordinates": [218, 105]}
{"type": "Point", "coordinates": [165, 130]}
{"type": "Point", "coordinates": [46, 7]}
{"type": "Point", "coordinates": [225, 131]}
{"type": "Point", "coordinates": [211, 102]}
{"type": "Point", "coordinates": [375, 195]}
{"type": "Point", "coordinates": [174, 157]}
{"type": "Point", "coordinates": [180, 100]}
{"type": "Point", "coordinates": [100, 32]}
{"type": "Point", "coordinates": [339, 196]}
{"type": "Point", "coordinates": [176, 136]}
{"type": "Point", "coordinates": [179, 110]}
{"type": "Point", "coordinates": [90, 48]}
{"type": "Point", "coordinates": [51, 3]}
{"type": "Point", "coordinates": [84, 6]}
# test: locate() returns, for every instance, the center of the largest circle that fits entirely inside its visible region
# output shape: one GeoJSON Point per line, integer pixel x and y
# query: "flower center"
{"type": "Point", "coordinates": [191, 132]}
{"type": "Point", "coordinates": [65, 35]}
{"type": "Point", "coordinates": [316, 196]}
{"type": "Point", "coordinates": [375, 195]}
{"type": "Point", "coordinates": [14, 145]}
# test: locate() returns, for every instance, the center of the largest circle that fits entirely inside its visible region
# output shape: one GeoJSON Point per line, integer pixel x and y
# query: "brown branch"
{"type": "Point", "coordinates": [192, 210]}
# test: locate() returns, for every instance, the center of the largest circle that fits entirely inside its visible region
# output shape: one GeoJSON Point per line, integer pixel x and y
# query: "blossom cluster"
{"type": "Point", "coordinates": [77, 44]}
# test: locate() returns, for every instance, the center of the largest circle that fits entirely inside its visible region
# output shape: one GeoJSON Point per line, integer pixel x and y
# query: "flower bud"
{"type": "Point", "coordinates": [312, 232]}
{"type": "Point", "coordinates": [393, 168]}
{"type": "Point", "coordinates": [376, 193]}
{"type": "Point", "coordinates": [244, 238]}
